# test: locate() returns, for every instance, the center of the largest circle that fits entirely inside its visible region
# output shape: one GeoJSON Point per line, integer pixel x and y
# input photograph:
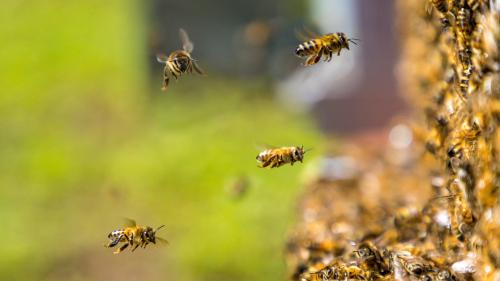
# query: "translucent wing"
{"type": "Point", "coordinates": [264, 146]}
{"type": "Point", "coordinates": [129, 222]}
{"type": "Point", "coordinates": [198, 69]}
{"type": "Point", "coordinates": [161, 58]}
{"type": "Point", "coordinates": [187, 45]}
{"type": "Point", "coordinates": [162, 241]}
{"type": "Point", "coordinates": [305, 34]}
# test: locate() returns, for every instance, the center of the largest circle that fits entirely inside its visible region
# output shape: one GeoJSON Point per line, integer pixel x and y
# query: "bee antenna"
{"type": "Point", "coordinates": [354, 41]}
{"type": "Point", "coordinates": [159, 227]}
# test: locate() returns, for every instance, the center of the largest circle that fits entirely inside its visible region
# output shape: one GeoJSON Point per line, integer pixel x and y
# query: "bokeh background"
{"type": "Point", "coordinates": [88, 138]}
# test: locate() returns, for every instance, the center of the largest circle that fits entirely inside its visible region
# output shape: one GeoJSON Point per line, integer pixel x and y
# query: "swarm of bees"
{"type": "Point", "coordinates": [437, 215]}
{"type": "Point", "coordinates": [134, 236]}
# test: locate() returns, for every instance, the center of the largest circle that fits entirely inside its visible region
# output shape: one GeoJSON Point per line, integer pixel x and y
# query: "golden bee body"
{"type": "Point", "coordinates": [324, 46]}
{"type": "Point", "coordinates": [179, 61]}
{"type": "Point", "coordinates": [440, 5]}
{"type": "Point", "coordinates": [338, 271]}
{"type": "Point", "coordinates": [134, 236]}
{"type": "Point", "coordinates": [277, 157]}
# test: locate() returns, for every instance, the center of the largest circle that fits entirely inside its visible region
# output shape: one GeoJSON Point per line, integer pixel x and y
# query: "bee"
{"type": "Point", "coordinates": [464, 21]}
{"type": "Point", "coordinates": [277, 157]}
{"type": "Point", "coordinates": [323, 46]}
{"type": "Point", "coordinates": [238, 187]}
{"type": "Point", "coordinates": [372, 258]}
{"type": "Point", "coordinates": [180, 61]}
{"type": "Point", "coordinates": [413, 265]}
{"type": "Point", "coordinates": [442, 7]}
{"type": "Point", "coordinates": [338, 271]}
{"type": "Point", "coordinates": [133, 236]}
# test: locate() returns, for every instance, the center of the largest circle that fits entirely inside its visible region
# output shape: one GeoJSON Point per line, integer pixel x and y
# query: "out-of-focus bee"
{"type": "Point", "coordinates": [413, 265]}
{"type": "Point", "coordinates": [180, 61]}
{"type": "Point", "coordinates": [338, 271]}
{"type": "Point", "coordinates": [372, 258]}
{"type": "Point", "coordinates": [442, 7]}
{"type": "Point", "coordinates": [133, 236]}
{"type": "Point", "coordinates": [464, 21]}
{"type": "Point", "coordinates": [477, 5]}
{"type": "Point", "coordinates": [446, 275]}
{"type": "Point", "coordinates": [464, 80]}
{"type": "Point", "coordinates": [323, 46]}
{"type": "Point", "coordinates": [277, 157]}
{"type": "Point", "coordinates": [238, 187]}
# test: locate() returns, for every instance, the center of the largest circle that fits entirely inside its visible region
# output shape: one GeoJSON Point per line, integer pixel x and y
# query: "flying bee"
{"type": "Point", "coordinates": [134, 236]}
{"type": "Point", "coordinates": [180, 61]}
{"type": "Point", "coordinates": [323, 46]}
{"type": "Point", "coordinates": [277, 157]}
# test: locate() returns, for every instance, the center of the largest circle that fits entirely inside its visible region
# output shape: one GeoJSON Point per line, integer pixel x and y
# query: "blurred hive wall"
{"type": "Point", "coordinates": [430, 211]}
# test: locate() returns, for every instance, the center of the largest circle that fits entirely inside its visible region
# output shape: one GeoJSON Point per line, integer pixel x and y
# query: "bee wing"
{"type": "Point", "coordinates": [187, 45]}
{"type": "Point", "coordinates": [162, 241]}
{"type": "Point", "coordinates": [198, 69]}
{"type": "Point", "coordinates": [428, 7]}
{"type": "Point", "coordinates": [161, 58]}
{"type": "Point", "coordinates": [265, 146]}
{"type": "Point", "coordinates": [306, 34]}
{"type": "Point", "coordinates": [128, 222]}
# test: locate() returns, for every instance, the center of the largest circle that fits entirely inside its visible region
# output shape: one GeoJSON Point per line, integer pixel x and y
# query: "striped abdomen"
{"type": "Point", "coordinates": [115, 234]}
{"type": "Point", "coordinates": [308, 48]}
{"type": "Point", "coordinates": [440, 5]}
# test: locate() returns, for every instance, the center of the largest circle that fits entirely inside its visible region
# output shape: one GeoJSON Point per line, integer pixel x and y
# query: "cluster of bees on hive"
{"type": "Point", "coordinates": [435, 215]}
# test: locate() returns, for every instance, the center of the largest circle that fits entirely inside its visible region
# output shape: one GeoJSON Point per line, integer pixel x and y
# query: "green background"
{"type": "Point", "coordinates": [88, 138]}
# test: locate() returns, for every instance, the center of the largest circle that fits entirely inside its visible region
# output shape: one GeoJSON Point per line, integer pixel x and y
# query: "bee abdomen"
{"type": "Point", "coordinates": [307, 48]}
{"type": "Point", "coordinates": [115, 233]}
{"type": "Point", "coordinates": [441, 5]}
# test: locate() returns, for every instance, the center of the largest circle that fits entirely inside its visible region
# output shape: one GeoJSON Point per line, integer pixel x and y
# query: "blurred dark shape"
{"type": "Point", "coordinates": [238, 187]}
{"type": "Point", "coordinates": [374, 99]}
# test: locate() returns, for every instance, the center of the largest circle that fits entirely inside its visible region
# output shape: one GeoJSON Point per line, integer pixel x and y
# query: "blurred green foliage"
{"type": "Point", "coordinates": [86, 141]}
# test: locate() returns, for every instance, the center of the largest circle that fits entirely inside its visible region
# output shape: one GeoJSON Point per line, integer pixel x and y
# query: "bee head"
{"type": "Point", "coordinates": [149, 235]}
{"type": "Point", "coordinates": [344, 40]}
{"type": "Point", "coordinates": [298, 153]}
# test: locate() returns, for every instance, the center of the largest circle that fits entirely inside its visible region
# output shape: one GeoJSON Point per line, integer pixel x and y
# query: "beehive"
{"type": "Point", "coordinates": [434, 214]}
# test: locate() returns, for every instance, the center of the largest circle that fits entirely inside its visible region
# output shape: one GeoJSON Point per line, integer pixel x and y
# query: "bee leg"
{"type": "Point", "coordinates": [135, 247]}
{"type": "Point", "coordinates": [319, 56]}
{"type": "Point", "coordinates": [309, 61]}
{"type": "Point", "coordinates": [113, 243]}
{"type": "Point", "coordinates": [166, 79]}
{"type": "Point", "coordinates": [121, 248]}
